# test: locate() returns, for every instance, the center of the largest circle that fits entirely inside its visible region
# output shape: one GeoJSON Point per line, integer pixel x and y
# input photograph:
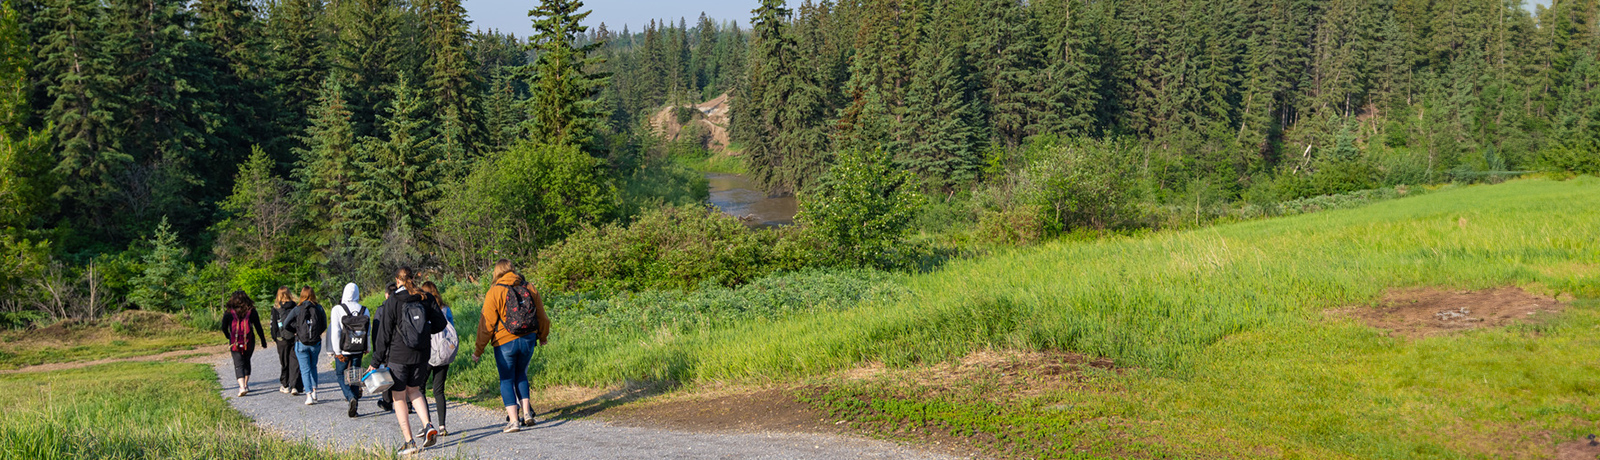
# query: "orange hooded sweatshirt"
{"type": "Point", "coordinates": [494, 312]}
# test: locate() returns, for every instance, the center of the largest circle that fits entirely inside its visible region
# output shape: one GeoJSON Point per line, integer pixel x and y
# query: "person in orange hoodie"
{"type": "Point", "coordinates": [513, 321]}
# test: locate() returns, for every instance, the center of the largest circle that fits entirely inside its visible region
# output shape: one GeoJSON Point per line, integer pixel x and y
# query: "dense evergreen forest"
{"type": "Point", "coordinates": [157, 153]}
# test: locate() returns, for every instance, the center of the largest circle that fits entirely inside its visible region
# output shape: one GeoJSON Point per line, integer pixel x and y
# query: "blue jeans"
{"type": "Point", "coordinates": [511, 359]}
{"type": "Point", "coordinates": [338, 374]}
{"type": "Point", "coordinates": [307, 355]}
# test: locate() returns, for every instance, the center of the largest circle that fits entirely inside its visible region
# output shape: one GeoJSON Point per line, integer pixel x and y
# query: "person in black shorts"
{"type": "Point", "coordinates": [412, 313]}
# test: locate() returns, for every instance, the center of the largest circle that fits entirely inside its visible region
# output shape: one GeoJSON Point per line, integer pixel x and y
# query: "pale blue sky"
{"type": "Point", "coordinates": [512, 15]}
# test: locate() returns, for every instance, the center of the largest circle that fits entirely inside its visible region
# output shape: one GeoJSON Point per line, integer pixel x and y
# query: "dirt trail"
{"type": "Point", "coordinates": [201, 355]}
{"type": "Point", "coordinates": [475, 432]}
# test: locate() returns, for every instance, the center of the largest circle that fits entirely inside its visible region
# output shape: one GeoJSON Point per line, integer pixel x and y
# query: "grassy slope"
{"type": "Point", "coordinates": [123, 335]}
{"type": "Point", "coordinates": [1159, 301]}
{"type": "Point", "coordinates": [131, 411]}
{"type": "Point", "coordinates": [1238, 360]}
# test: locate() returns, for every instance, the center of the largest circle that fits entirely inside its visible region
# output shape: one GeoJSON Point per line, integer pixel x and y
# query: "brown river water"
{"type": "Point", "coordinates": [737, 196]}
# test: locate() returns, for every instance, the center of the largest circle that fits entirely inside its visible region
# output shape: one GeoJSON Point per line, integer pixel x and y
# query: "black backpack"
{"type": "Point", "coordinates": [355, 331]}
{"type": "Point", "coordinates": [522, 315]}
{"type": "Point", "coordinates": [417, 322]}
{"type": "Point", "coordinates": [279, 316]}
{"type": "Point", "coordinates": [309, 323]}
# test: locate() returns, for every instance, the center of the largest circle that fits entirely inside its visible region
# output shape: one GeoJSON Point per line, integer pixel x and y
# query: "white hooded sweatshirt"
{"type": "Point", "coordinates": [351, 301]}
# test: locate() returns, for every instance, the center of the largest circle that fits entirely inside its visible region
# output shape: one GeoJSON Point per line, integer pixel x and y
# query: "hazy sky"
{"type": "Point", "coordinates": [512, 15]}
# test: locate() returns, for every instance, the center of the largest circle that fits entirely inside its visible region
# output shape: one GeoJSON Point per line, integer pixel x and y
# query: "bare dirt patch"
{"type": "Point", "coordinates": [770, 410]}
{"type": "Point", "coordinates": [1429, 312]}
{"type": "Point", "coordinates": [711, 116]}
{"type": "Point", "coordinates": [997, 374]}
{"type": "Point", "coordinates": [1583, 449]}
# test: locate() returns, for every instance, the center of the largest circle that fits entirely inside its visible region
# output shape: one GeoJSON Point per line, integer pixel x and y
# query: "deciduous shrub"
{"type": "Point", "coordinates": [670, 248]}
{"type": "Point", "coordinates": [863, 208]}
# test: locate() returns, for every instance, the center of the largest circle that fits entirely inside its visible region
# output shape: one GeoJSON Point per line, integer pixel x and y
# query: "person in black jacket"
{"type": "Point", "coordinates": [409, 315]}
{"type": "Point", "coordinates": [385, 400]}
{"type": "Point", "coordinates": [238, 322]}
{"type": "Point", "coordinates": [308, 322]}
{"type": "Point", "coordinates": [288, 366]}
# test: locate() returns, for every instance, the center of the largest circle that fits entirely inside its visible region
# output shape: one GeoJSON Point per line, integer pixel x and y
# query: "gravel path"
{"type": "Point", "coordinates": [475, 432]}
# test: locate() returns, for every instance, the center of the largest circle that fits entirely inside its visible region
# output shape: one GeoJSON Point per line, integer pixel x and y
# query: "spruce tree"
{"type": "Point", "coordinates": [563, 108]}
{"type": "Point", "coordinates": [940, 136]}
{"type": "Point", "coordinates": [367, 55]}
{"type": "Point", "coordinates": [24, 163]}
{"type": "Point", "coordinates": [77, 72]}
{"type": "Point", "coordinates": [778, 110]}
{"type": "Point", "coordinates": [157, 287]}
{"type": "Point", "coordinates": [455, 95]}
{"type": "Point", "coordinates": [328, 162]}
{"type": "Point", "coordinates": [298, 62]}
{"type": "Point", "coordinates": [235, 58]}
{"type": "Point", "coordinates": [398, 172]}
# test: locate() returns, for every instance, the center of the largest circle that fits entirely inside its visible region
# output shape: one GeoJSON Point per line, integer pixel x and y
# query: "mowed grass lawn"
{"type": "Point", "coordinates": [132, 411]}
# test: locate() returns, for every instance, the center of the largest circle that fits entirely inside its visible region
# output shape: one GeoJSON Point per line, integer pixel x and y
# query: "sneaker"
{"type": "Point", "coordinates": [242, 392]}
{"type": "Point", "coordinates": [443, 431]}
{"type": "Point", "coordinates": [352, 412]}
{"type": "Point", "coordinates": [311, 399]}
{"type": "Point", "coordinates": [430, 436]}
{"type": "Point", "coordinates": [512, 427]}
{"type": "Point", "coordinates": [296, 392]}
{"type": "Point", "coordinates": [528, 420]}
{"type": "Point", "coordinates": [409, 448]}
{"type": "Point", "coordinates": [284, 390]}
{"type": "Point", "coordinates": [385, 406]}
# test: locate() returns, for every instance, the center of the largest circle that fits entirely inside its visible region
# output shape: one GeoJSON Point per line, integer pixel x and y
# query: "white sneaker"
{"type": "Point", "coordinates": [242, 392]}
{"type": "Point", "coordinates": [311, 399]}
{"type": "Point", "coordinates": [284, 390]}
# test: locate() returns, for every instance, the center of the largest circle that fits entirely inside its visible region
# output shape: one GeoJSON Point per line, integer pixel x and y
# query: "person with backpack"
{"type": "Point", "coordinates": [401, 342]}
{"type": "Point", "coordinates": [307, 322]}
{"type": "Point", "coordinates": [385, 400]}
{"type": "Point", "coordinates": [288, 366]}
{"type": "Point", "coordinates": [513, 320]}
{"type": "Point", "coordinates": [443, 349]}
{"type": "Point", "coordinates": [238, 321]}
{"type": "Point", "coordinates": [349, 334]}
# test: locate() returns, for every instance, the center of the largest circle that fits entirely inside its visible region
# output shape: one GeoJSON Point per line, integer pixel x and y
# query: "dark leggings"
{"type": "Point", "coordinates": [288, 366]}
{"type": "Point", "coordinates": [241, 363]}
{"type": "Point", "coordinates": [436, 376]}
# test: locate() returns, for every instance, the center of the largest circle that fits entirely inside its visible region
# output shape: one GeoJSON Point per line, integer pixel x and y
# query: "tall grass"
{"type": "Point", "coordinates": [1151, 301]}
{"type": "Point", "coordinates": [1156, 300]}
{"type": "Point", "coordinates": [132, 411]}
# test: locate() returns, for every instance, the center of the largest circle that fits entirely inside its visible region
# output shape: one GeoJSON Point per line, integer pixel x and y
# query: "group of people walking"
{"type": "Point", "coordinates": [411, 336]}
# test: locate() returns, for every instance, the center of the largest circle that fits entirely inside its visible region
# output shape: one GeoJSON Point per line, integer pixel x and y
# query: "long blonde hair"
{"type": "Point", "coordinates": [283, 297]}
{"type": "Point", "coordinates": [501, 268]}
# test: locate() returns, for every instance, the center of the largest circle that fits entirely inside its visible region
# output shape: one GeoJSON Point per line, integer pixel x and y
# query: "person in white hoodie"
{"type": "Point", "coordinates": [350, 306]}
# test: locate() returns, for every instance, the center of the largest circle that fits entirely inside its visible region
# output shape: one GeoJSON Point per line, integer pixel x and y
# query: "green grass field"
{"type": "Point", "coordinates": [1222, 330]}
{"type": "Point", "coordinates": [132, 411]}
{"type": "Point", "coordinates": [124, 335]}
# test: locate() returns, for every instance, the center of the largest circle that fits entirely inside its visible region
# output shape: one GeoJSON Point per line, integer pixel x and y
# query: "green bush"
{"type": "Point", "coordinates": [671, 248]}
{"type": "Point", "coordinates": [863, 207]}
{"type": "Point", "coordinates": [520, 201]}
{"type": "Point", "coordinates": [1083, 183]}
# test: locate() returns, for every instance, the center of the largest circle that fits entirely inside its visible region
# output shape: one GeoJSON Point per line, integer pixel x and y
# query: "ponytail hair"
{"type": "Point", "coordinates": [407, 279]}
{"type": "Point", "coordinates": [501, 268]}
